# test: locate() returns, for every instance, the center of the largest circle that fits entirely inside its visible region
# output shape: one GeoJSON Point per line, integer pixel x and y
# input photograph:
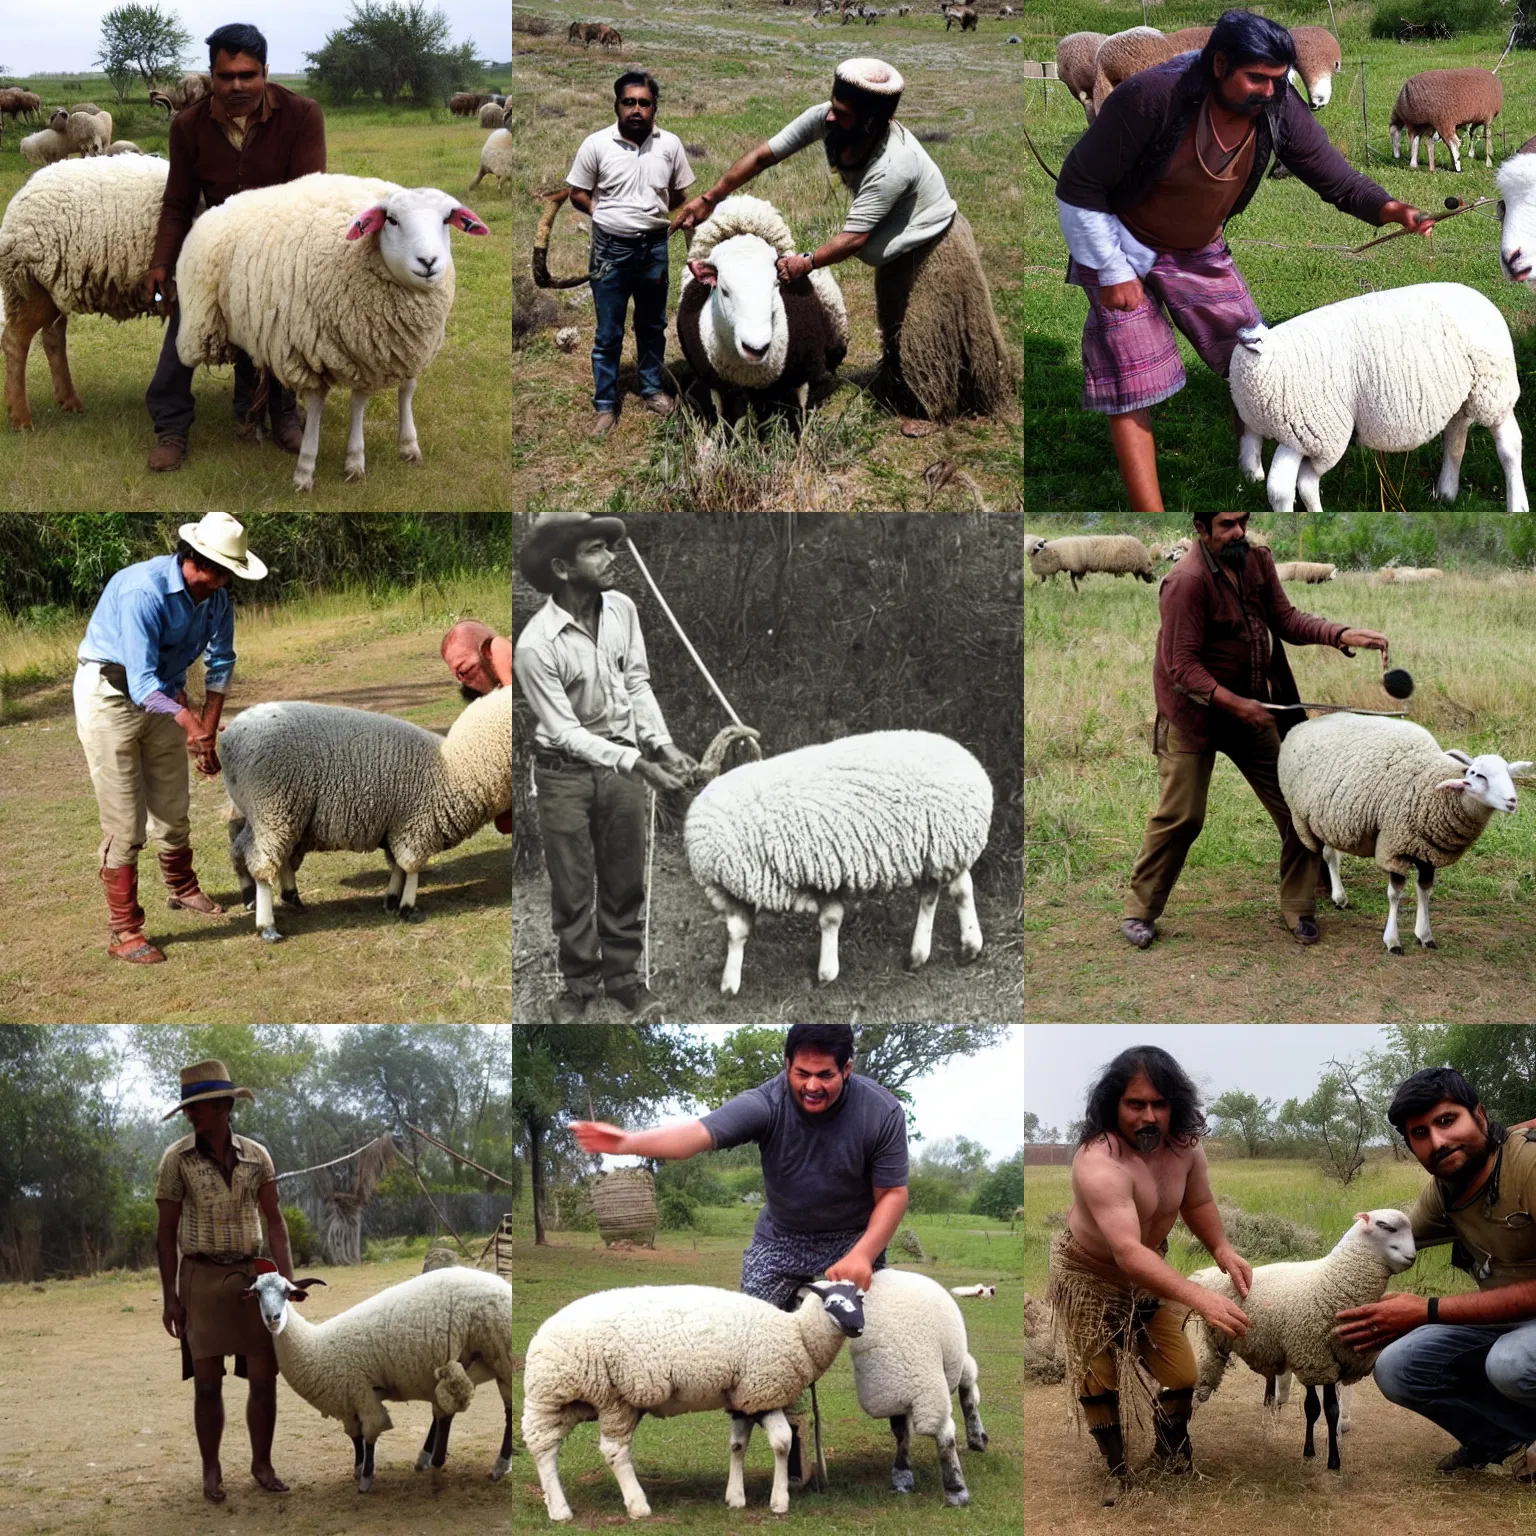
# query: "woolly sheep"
{"type": "Point", "coordinates": [428, 1339]}
{"type": "Point", "coordinates": [739, 327]}
{"type": "Point", "coordinates": [86, 128]}
{"type": "Point", "coordinates": [1317, 62]}
{"type": "Point", "coordinates": [1407, 575]}
{"type": "Point", "coordinates": [492, 115]}
{"type": "Point", "coordinates": [973, 1290]}
{"type": "Point", "coordinates": [316, 777]}
{"type": "Point", "coordinates": [75, 240]}
{"type": "Point", "coordinates": [191, 87]}
{"type": "Point", "coordinates": [495, 159]}
{"type": "Point", "coordinates": [1393, 368]}
{"type": "Point", "coordinates": [291, 275]}
{"type": "Point", "coordinates": [1384, 789]}
{"type": "Point", "coordinates": [1439, 101]}
{"type": "Point", "coordinates": [1033, 541]}
{"type": "Point", "coordinates": [123, 147]}
{"type": "Point", "coordinates": [664, 1350]}
{"type": "Point", "coordinates": [1110, 554]}
{"type": "Point", "coordinates": [911, 1356]}
{"type": "Point", "coordinates": [1123, 54]}
{"type": "Point", "coordinates": [15, 102]}
{"type": "Point", "coordinates": [1305, 570]}
{"type": "Point", "coordinates": [1075, 55]}
{"type": "Point", "coordinates": [1516, 183]}
{"type": "Point", "coordinates": [45, 147]}
{"type": "Point", "coordinates": [810, 829]}
{"type": "Point", "coordinates": [1291, 1308]}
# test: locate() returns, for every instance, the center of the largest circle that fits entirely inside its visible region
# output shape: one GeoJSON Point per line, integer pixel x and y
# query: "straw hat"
{"type": "Point", "coordinates": [207, 1080]}
{"type": "Point", "coordinates": [555, 535]}
{"type": "Point", "coordinates": [222, 539]}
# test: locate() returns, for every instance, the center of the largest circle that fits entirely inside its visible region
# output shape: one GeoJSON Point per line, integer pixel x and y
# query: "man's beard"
{"type": "Point", "coordinates": [1148, 1138]}
{"type": "Point", "coordinates": [636, 133]}
{"type": "Point", "coordinates": [1244, 106]}
{"type": "Point", "coordinates": [862, 139]}
{"type": "Point", "coordinates": [1235, 554]}
{"type": "Point", "coordinates": [1473, 1166]}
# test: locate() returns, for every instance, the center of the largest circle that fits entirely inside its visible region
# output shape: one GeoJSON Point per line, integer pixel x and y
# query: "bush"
{"type": "Point", "coordinates": [301, 1239]}
{"type": "Point", "coordinates": [675, 1210]}
{"type": "Point", "coordinates": [530, 26]}
{"type": "Point", "coordinates": [1262, 1238]}
{"type": "Point", "coordinates": [1410, 19]}
{"type": "Point", "coordinates": [928, 1196]}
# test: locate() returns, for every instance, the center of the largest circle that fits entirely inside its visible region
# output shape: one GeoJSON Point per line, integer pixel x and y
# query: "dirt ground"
{"type": "Point", "coordinates": [96, 1433]}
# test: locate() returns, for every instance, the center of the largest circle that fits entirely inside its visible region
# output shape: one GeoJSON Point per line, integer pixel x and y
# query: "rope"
{"type": "Point", "coordinates": [650, 855]}
{"type": "Point", "coordinates": [451, 1153]}
{"type": "Point", "coordinates": [333, 1162]}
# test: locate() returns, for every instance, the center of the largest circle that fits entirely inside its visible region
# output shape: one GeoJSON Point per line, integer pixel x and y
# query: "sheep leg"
{"type": "Point", "coordinates": [1337, 895]}
{"type": "Point", "coordinates": [1454, 143]}
{"type": "Point", "coordinates": [410, 449]}
{"type": "Point", "coordinates": [21, 325]}
{"type": "Point", "coordinates": [741, 1436]}
{"type": "Point", "coordinates": [355, 464]}
{"type": "Point", "coordinates": [1312, 1410]}
{"type": "Point", "coordinates": [408, 912]}
{"type": "Point", "coordinates": [1413, 159]}
{"type": "Point", "coordinates": [1331, 1412]}
{"type": "Point", "coordinates": [616, 1452]}
{"type": "Point", "coordinates": [309, 449]}
{"type": "Point", "coordinates": [1283, 469]}
{"type": "Point", "coordinates": [1395, 884]}
{"type": "Point", "coordinates": [57, 353]}
{"type": "Point", "coordinates": [363, 1465]}
{"type": "Point", "coordinates": [1425, 884]}
{"type": "Point", "coordinates": [738, 928]}
{"type": "Point", "coordinates": [396, 885]}
{"type": "Point", "coordinates": [424, 1456]}
{"type": "Point", "coordinates": [970, 1407]}
{"type": "Point", "coordinates": [503, 1462]}
{"type": "Point", "coordinates": [922, 934]}
{"type": "Point", "coordinates": [1506, 441]}
{"type": "Point", "coordinates": [901, 1467]}
{"type": "Point", "coordinates": [438, 1437]}
{"type": "Point", "coordinates": [1250, 454]}
{"type": "Point", "coordinates": [1309, 486]}
{"type": "Point", "coordinates": [1449, 482]}
{"type": "Point", "coordinates": [265, 925]}
{"type": "Point", "coordinates": [776, 1427]}
{"type": "Point", "coordinates": [1282, 1390]}
{"type": "Point", "coordinates": [288, 888]}
{"type": "Point", "coordinates": [547, 1461]}
{"type": "Point", "coordinates": [1397, 138]}
{"type": "Point", "coordinates": [802, 397]}
{"type": "Point", "coordinates": [963, 894]}
{"type": "Point", "coordinates": [830, 917]}
{"type": "Point", "coordinates": [956, 1494]}
{"type": "Point", "coordinates": [1487, 152]}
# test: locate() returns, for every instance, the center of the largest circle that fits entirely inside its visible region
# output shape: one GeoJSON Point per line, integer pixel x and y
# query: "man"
{"type": "Point", "coordinates": [152, 621]}
{"type": "Point", "coordinates": [482, 661]}
{"type": "Point", "coordinates": [1139, 1166]}
{"type": "Point", "coordinates": [1466, 1362]}
{"type": "Point", "coordinates": [581, 664]}
{"type": "Point", "coordinates": [251, 132]}
{"type": "Point", "coordinates": [626, 179]}
{"type": "Point", "coordinates": [1144, 199]}
{"type": "Point", "coordinates": [1219, 662]}
{"type": "Point", "coordinates": [834, 1158]}
{"type": "Point", "coordinates": [944, 354]}
{"type": "Point", "coordinates": [209, 1188]}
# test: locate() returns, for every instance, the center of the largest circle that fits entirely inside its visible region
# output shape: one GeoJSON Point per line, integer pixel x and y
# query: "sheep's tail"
{"type": "Point", "coordinates": [454, 1391]}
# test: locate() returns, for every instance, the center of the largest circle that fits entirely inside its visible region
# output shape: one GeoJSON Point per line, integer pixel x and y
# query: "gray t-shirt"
{"type": "Point", "coordinates": [819, 1171]}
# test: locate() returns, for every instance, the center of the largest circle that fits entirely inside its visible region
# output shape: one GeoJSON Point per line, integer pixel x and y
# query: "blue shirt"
{"type": "Point", "coordinates": [147, 622]}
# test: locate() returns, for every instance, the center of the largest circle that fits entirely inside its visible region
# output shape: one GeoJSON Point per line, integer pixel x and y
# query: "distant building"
{"type": "Point", "coordinates": [1047, 1154]}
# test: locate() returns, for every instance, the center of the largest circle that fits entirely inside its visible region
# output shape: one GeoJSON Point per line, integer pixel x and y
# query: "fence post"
{"type": "Point", "coordinates": [1365, 121]}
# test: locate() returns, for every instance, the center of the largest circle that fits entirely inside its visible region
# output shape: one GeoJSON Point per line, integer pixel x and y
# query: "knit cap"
{"type": "Point", "coordinates": [870, 85]}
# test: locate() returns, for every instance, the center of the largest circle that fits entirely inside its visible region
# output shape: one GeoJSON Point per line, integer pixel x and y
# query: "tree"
{"type": "Point", "coordinates": [956, 1158]}
{"type": "Point", "coordinates": [1500, 1063]}
{"type": "Point", "coordinates": [1341, 1120]}
{"type": "Point", "coordinates": [1410, 1048]}
{"type": "Point", "coordinates": [1034, 1132]}
{"type": "Point", "coordinates": [142, 41]}
{"type": "Point", "coordinates": [1002, 1192]}
{"type": "Point", "coordinates": [1244, 1116]}
{"type": "Point", "coordinates": [390, 49]}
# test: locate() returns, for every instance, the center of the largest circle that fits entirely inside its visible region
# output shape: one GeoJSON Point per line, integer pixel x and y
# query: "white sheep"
{"type": "Point", "coordinates": [493, 115]}
{"type": "Point", "coordinates": [810, 829]}
{"type": "Point", "coordinates": [1516, 183]}
{"type": "Point", "coordinates": [911, 1356]}
{"type": "Point", "coordinates": [428, 1339]}
{"type": "Point", "coordinates": [973, 1290]}
{"type": "Point", "coordinates": [1384, 789]}
{"type": "Point", "coordinates": [664, 1350]}
{"type": "Point", "coordinates": [495, 159]}
{"type": "Point", "coordinates": [1408, 575]}
{"type": "Point", "coordinates": [315, 777]}
{"type": "Point", "coordinates": [1033, 541]}
{"type": "Point", "coordinates": [1393, 369]}
{"type": "Point", "coordinates": [1111, 554]}
{"type": "Point", "coordinates": [1291, 1309]}
{"type": "Point", "coordinates": [293, 276]}
{"type": "Point", "coordinates": [1312, 571]}
{"type": "Point", "coordinates": [1437, 102]}
{"type": "Point", "coordinates": [1317, 62]}
{"type": "Point", "coordinates": [45, 147]}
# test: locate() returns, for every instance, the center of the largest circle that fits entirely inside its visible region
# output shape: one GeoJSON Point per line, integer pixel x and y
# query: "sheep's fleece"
{"type": "Point", "coordinates": [1111, 554]}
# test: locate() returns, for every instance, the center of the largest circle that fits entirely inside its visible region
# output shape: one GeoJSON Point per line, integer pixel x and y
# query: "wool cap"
{"type": "Point", "coordinates": [207, 1080]}
{"type": "Point", "coordinates": [871, 85]}
{"type": "Point", "coordinates": [555, 535]}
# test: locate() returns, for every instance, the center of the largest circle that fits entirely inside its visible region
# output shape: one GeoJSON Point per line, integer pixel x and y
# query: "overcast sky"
{"type": "Point", "coordinates": [1275, 1061]}
{"type": "Point", "coordinates": [65, 35]}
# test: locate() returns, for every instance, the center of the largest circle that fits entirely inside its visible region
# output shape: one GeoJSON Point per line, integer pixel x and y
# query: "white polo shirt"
{"type": "Point", "coordinates": [899, 196]}
{"type": "Point", "coordinates": [630, 183]}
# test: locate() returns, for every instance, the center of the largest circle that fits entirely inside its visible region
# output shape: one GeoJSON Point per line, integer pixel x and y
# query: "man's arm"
{"type": "Point", "coordinates": [696, 209]}
{"type": "Point", "coordinates": [1204, 1220]}
{"type": "Point", "coordinates": [277, 1228]}
{"type": "Point", "coordinates": [675, 1142]}
{"type": "Point", "coordinates": [536, 675]}
{"type": "Point", "coordinates": [173, 1315]}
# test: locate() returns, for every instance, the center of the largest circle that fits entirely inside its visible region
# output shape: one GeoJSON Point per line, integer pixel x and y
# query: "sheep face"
{"type": "Point", "coordinates": [841, 1300]}
{"type": "Point", "coordinates": [1390, 1233]}
{"type": "Point", "coordinates": [1488, 780]}
{"type": "Point", "coordinates": [273, 1293]}
{"type": "Point", "coordinates": [745, 306]}
{"type": "Point", "coordinates": [1517, 208]}
{"type": "Point", "coordinates": [412, 226]}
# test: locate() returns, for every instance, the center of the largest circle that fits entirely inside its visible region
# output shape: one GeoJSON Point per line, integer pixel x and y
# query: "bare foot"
{"type": "Point", "coordinates": [269, 1479]}
{"type": "Point", "coordinates": [213, 1483]}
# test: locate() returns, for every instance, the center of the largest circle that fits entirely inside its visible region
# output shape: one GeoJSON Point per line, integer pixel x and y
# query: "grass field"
{"type": "Point", "coordinates": [1285, 244]}
{"type": "Point", "coordinates": [729, 80]}
{"type": "Point", "coordinates": [95, 460]}
{"type": "Point", "coordinates": [682, 1461]}
{"type": "Point", "coordinates": [1222, 953]}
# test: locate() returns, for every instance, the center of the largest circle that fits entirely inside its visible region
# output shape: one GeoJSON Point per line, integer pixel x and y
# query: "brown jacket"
{"type": "Point", "coordinates": [1221, 628]}
{"type": "Point", "coordinates": [284, 139]}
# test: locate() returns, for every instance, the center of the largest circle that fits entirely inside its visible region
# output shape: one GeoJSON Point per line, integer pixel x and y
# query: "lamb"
{"type": "Point", "coordinates": [1439, 101]}
{"type": "Point", "coordinates": [1075, 55]}
{"type": "Point", "coordinates": [973, 1290]}
{"type": "Point", "coordinates": [911, 1356]}
{"type": "Point", "coordinates": [1393, 368]}
{"type": "Point", "coordinates": [1111, 554]}
{"type": "Point", "coordinates": [1407, 575]}
{"type": "Point", "coordinates": [428, 1339]}
{"type": "Point", "coordinates": [316, 777]}
{"type": "Point", "coordinates": [290, 275]}
{"type": "Point", "coordinates": [739, 328]}
{"type": "Point", "coordinates": [495, 159]}
{"type": "Point", "coordinates": [1384, 789]}
{"type": "Point", "coordinates": [1312, 571]}
{"type": "Point", "coordinates": [664, 1350]}
{"type": "Point", "coordinates": [1317, 61]}
{"type": "Point", "coordinates": [809, 829]}
{"type": "Point", "coordinates": [492, 115]}
{"type": "Point", "coordinates": [1516, 183]}
{"type": "Point", "coordinates": [1291, 1310]}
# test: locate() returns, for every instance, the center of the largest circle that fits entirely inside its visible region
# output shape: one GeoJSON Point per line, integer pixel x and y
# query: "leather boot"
{"type": "Point", "coordinates": [167, 454]}
{"type": "Point", "coordinates": [1170, 1424]}
{"type": "Point", "coordinates": [127, 917]}
{"type": "Point", "coordinates": [1111, 1443]}
{"type": "Point", "coordinates": [176, 866]}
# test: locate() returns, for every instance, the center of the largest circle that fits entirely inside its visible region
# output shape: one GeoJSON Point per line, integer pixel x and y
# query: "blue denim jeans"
{"type": "Point", "coordinates": [624, 268]}
{"type": "Point", "coordinates": [1477, 1382]}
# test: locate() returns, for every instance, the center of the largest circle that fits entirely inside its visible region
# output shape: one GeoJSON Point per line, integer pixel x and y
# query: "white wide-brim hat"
{"type": "Point", "coordinates": [222, 539]}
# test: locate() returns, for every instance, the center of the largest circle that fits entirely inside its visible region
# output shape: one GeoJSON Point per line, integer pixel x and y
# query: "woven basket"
{"type": "Point", "coordinates": [625, 1203]}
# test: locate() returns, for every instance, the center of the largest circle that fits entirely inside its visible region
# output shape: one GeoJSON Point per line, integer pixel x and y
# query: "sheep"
{"type": "Point", "coordinates": [911, 1356]}
{"type": "Point", "coordinates": [811, 828]}
{"type": "Point", "coordinates": [123, 147]}
{"type": "Point", "coordinates": [45, 147]}
{"type": "Point", "coordinates": [1111, 554]}
{"type": "Point", "coordinates": [289, 275]}
{"type": "Point", "coordinates": [1123, 54]}
{"type": "Point", "coordinates": [739, 328]}
{"type": "Point", "coordinates": [1516, 183]}
{"type": "Point", "coordinates": [1317, 61]}
{"type": "Point", "coordinates": [428, 1339]}
{"type": "Point", "coordinates": [1393, 368]}
{"type": "Point", "coordinates": [492, 115]}
{"type": "Point", "coordinates": [86, 129]}
{"type": "Point", "coordinates": [75, 240]}
{"type": "Point", "coordinates": [1407, 575]}
{"type": "Point", "coordinates": [468, 103]}
{"type": "Point", "coordinates": [1384, 789]}
{"type": "Point", "coordinates": [1312, 571]}
{"type": "Point", "coordinates": [317, 777]}
{"type": "Point", "coordinates": [1075, 55]}
{"type": "Point", "coordinates": [609, 37]}
{"type": "Point", "coordinates": [1291, 1310]}
{"type": "Point", "coordinates": [664, 1350]}
{"type": "Point", "coordinates": [1033, 541]}
{"type": "Point", "coordinates": [1439, 101]}
{"type": "Point", "coordinates": [15, 102]}
{"type": "Point", "coordinates": [191, 87]}
{"type": "Point", "coordinates": [973, 1290]}
{"type": "Point", "coordinates": [964, 14]}
{"type": "Point", "coordinates": [495, 159]}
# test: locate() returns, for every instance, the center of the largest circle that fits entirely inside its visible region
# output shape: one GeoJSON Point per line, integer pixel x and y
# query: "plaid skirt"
{"type": "Point", "coordinates": [774, 1268]}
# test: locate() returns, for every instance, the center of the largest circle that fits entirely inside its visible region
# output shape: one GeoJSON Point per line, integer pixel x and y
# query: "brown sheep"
{"type": "Point", "coordinates": [1440, 101]}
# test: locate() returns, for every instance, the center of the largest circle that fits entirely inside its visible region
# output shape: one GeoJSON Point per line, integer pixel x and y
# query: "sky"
{"type": "Point", "coordinates": [1274, 1061]}
{"type": "Point", "coordinates": [65, 35]}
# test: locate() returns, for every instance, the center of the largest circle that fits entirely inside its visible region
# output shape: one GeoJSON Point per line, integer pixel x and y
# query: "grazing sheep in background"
{"type": "Point", "coordinates": [1110, 554]}
{"type": "Point", "coordinates": [609, 37]}
{"type": "Point", "coordinates": [1439, 101]}
{"type": "Point", "coordinates": [306, 778]}
{"type": "Point", "coordinates": [15, 102]}
{"type": "Point", "coordinates": [86, 129]}
{"type": "Point", "coordinates": [468, 103]}
{"type": "Point", "coordinates": [1394, 369]}
{"type": "Point", "coordinates": [964, 14]}
{"type": "Point", "coordinates": [810, 829]}
{"type": "Point", "coordinates": [1305, 570]}
{"type": "Point", "coordinates": [123, 147]}
{"type": "Point", "coordinates": [495, 159]}
{"type": "Point", "coordinates": [1384, 789]}
{"type": "Point", "coordinates": [973, 1290]}
{"type": "Point", "coordinates": [1407, 575]}
{"type": "Point", "coordinates": [191, 87]}
{"type": "Point", "coordinates": [292, 276]}
{"type": "Point", "coordinates": [1317, 61]}
{"type": "Point", "coordinates": [1075, 55]}
{"type": "Point", "coordinates": [1127, 53]}
{"type": "Point", "coordinates": [45, 147]}
{"type": "Point", "coordinates": [492, 115]}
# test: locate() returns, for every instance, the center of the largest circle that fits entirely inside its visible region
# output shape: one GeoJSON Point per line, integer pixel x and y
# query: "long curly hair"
{"type": "Point", "coordinates": [1186, 1121]}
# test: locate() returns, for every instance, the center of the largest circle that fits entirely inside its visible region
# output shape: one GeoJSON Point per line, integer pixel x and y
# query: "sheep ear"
{"type": "Point", "coordinates": [1364, 1216]}
{"type": "Point", "coordinates": [1459, 755]}
{"type": "Point", "coordinates": [1521, 767]}
{"type": "Point", "coordinates": [468, 221]}
{"type": "Point", "coordinates": [368, 222]}
{"type": "Point", "coordinates": [703, 273]}
{"type": "Point", "coordinates": [1456, 784]}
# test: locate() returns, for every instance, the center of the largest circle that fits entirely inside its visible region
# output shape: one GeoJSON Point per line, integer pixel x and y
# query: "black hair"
{"type": "Point", "coordinates": [834, 1040]}
{"type": "Point", "coordinates": [184, 551]}
{"type": "Point", "coordinates": [637, 77]}
{"type": "Point", "coordinates": [1244, 37]}
{"type": "Point", "coordinates": [1205, 519]}
{"type": "Point", "coordinates": [1186, 1121]}
{"type": "Point", "coordinates": [1419, 1094]}
{"type": "Point", "coordinates": [236, 37]}
{"type": "Point", "coordinates": [873, 107]}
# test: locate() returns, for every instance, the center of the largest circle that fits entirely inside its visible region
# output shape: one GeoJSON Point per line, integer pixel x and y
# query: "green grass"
{"type": "Point", "coordinates": [1280, 243]}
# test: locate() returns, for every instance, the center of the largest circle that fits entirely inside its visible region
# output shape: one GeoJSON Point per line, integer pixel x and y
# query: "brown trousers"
{"type": "Point", "coordinates": [1184, 778]}
{"type": "Point", "coordinates": [1163, 1350]}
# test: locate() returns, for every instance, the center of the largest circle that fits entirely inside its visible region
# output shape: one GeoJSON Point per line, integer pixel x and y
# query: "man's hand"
{"type": "Point", "coordinates": [159, 277]}
{"type": "Point", "coordinates": [1412, 219]}
{"type": "Point", "coordinates": [174, 1317]}
{"type": "Point", "coordinates": [599, 1136]}
{"type": "Point", "coordinates": [691, 214]}
{"type": "Point", "coordinates": [792, 267]}
{"type": "Point", "coordinates": [1223, 1314]}
{"type": "Point", "coordinates": [1250, 712]}
{"type": "Point", "coordinates": [1127, 295]}
{"type": "Point", "coordinates": [678, 761]}
{"type": "Point", "coordinates": [1368, 639]}
{"type": "Point", "coordinates": [1377, 1325]}
{"type": "Point", "coordinates": [1235, 1267]}
{"type": "Point", "coordinates": [656, 776]}
{"type": "Point", "coordinates": [852, 1266]}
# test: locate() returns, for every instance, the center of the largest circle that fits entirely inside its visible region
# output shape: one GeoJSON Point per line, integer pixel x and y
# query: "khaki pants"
{"type": "Point", "coordinates": [138, 764]}
{"type": "Point", "coordinates": [1160, 1344]}
{"type": "Point", "coordinates": [1185, 779]}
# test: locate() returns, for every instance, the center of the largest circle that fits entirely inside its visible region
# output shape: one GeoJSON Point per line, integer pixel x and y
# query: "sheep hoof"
{"type": "Point", "coordinates": [272, 936]}
{"type": "Point", "coordinates": [977, 1442]}
{"type": "Point", "coordinates": [968, 954]}
{"type": "Point", "coordinates": [1394, 949]}
{"type": "Point", "coordinates": [392, 901]}
{"type": "Point", "coordinates": [410, 915]}
{"type": "Point", "coordinates": [1340, 902]}
{"type": "Point", "coordinates": [248, 897]}
{"type": "Point", "coordinates": [901, 1480]}
{"type": "Point", "coordinates": [364, 1484]}
{"type": "Point", "coordinates": [957, 1500]}
{"type": "Point", "coordinates": [1428, 944]}
{"type": "Point", "coordinates": [293, 901]}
